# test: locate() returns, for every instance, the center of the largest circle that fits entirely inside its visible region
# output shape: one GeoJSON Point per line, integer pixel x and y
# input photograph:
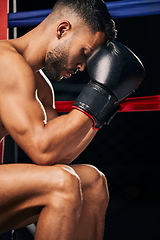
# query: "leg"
{"type": "Point", "coordinates": [52, 192]}
{"type": "Point", "coordinates": [95, 202]}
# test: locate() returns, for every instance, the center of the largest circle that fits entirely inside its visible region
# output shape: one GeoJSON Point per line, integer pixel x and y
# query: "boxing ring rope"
{"type": "Point", "coordinates": [138, 104]}
{"type": "Point", "coordinates": [117, 9]}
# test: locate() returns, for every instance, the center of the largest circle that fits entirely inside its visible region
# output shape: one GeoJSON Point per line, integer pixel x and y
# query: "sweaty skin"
{"type": "Point", "coordinates": [22, 116]}
{"type": "Point", "coordinates": [68, 202]}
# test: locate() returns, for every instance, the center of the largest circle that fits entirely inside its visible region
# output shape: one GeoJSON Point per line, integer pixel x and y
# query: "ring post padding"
{"type": "Point", "coordinates": [4, 6]}
{"type": "Point", "coordinates": [3, 19]}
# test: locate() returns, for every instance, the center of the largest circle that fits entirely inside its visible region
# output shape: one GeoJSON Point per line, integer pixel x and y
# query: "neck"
{"type": "Point", "coordinates": [33, 46]}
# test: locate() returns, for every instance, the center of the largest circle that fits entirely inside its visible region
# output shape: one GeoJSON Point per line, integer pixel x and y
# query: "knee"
{"type": "Point", "coordinates": [98, 188]}
{"type": "Point", "coordinates": [65, 188]}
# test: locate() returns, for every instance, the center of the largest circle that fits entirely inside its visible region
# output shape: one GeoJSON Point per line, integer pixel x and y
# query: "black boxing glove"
{"type": "Point", "coordinates": [115, 72]}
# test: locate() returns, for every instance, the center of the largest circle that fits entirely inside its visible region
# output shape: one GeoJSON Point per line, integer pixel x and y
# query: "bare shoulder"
{"type": "Point", "coordinates": [14, 70]}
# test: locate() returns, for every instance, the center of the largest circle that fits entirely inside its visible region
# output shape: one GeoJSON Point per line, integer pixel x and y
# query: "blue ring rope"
{"type": "Point", "coordinates": [117, 9]}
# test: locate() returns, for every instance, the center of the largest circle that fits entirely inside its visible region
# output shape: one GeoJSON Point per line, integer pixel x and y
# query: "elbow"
{"type": "Point", "coordinates": [48, 159]}
{"type": "Point", "coordinates": [40, 155]}
{"type": "Point", "coordinates": [44, 158]}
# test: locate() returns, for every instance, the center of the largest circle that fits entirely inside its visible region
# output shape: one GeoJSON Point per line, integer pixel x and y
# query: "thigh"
{"type": "Point", "coordinates": [23, 192]}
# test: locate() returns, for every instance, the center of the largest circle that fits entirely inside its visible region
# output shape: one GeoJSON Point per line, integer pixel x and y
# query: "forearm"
{"type": "Point", "coordinates": [60, 137]}
{"type": "Point", "coordinates": [80, 147]}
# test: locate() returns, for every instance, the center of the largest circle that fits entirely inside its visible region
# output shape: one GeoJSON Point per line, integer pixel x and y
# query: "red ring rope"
{"type": "Point", "coordinates": [137, 104]}
{"type": "Point", "coordinates": [141, 104]}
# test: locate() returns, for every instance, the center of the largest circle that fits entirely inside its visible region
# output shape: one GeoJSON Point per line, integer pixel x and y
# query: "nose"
{"type": "Point", "coordinates": [81, 66]}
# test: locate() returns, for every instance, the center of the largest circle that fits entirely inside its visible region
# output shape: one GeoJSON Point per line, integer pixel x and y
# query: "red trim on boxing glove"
{"type": "Point", "coordinates": [96, 128]}
{"type": "Point", "coordinates": [94, 123]}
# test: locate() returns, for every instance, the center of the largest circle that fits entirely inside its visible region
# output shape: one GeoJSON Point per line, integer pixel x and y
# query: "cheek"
{"type": "Point", "coordinates": [76, 57]}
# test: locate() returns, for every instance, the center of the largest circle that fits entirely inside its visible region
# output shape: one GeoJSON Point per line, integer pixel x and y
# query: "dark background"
{"type": "Point", "coordinates": [127, 150]}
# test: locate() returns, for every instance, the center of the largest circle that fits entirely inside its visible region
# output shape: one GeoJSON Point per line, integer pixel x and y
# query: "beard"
{"type": "Point", "coordinates": [56, 62]}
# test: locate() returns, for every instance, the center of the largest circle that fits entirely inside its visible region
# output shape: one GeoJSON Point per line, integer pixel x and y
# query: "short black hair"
{"type": "Point", "coordinates": [94, 13]}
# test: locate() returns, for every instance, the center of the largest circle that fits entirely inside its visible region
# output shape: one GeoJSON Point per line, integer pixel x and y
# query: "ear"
{"type": "Point", "coordinates": [62, 28]}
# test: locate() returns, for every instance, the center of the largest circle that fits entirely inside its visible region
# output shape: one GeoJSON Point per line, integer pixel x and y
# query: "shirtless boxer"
{"type": "Point", "coordinates": [68, 202]}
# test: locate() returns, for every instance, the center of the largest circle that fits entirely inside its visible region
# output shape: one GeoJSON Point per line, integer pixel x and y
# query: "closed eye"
{"type": "Point", "coordinates": [87, 52]}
